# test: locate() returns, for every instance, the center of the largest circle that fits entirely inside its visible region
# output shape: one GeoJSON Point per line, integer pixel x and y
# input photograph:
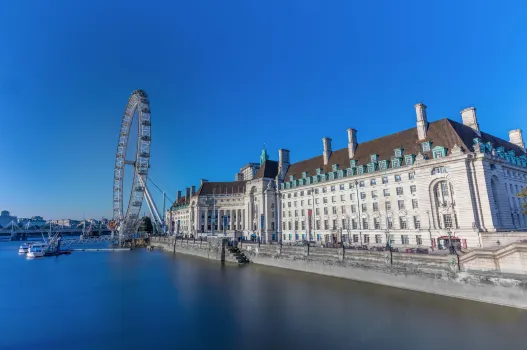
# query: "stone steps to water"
{"type": "Point", "coordinates": [238, 255]}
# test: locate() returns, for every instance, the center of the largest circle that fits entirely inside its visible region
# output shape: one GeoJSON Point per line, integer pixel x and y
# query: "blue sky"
{"type": "Point", "coordinates": [225, 77]}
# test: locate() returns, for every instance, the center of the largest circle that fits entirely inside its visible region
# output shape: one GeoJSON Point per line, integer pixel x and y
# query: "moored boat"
{"type": "Point", "coordinates": [37, 250]}
{"type": "Point", "coordinates": [23, 248]}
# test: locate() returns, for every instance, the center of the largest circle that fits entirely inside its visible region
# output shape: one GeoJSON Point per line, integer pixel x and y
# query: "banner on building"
{"type": "Point", "coordinates": [262, 221]}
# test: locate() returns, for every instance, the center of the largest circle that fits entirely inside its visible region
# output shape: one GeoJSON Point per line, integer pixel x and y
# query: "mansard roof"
{"type": "Point", "coordinates": [269, 169]}
{"type": "Point", "coordinates": [443, 132]}
{"type": "Point", "coordinates": [221, 188]}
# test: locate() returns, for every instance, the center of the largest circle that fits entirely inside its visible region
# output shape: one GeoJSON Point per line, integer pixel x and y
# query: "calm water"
{"type": "Point", "coordinates": [152, 300]}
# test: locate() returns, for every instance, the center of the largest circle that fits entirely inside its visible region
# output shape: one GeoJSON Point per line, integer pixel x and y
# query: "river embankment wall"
{"type": "Point", "coordinates": [440, 275]}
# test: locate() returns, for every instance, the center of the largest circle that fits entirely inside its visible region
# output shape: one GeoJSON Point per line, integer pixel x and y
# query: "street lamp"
{"type": "Point", "coordinates": [430, 231]}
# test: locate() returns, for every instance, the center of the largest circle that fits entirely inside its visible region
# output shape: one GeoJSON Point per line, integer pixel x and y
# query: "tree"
{"type": "Point", "coordinates": [523, 194]}
{"type": "Point", "coordinates": [146, 225]}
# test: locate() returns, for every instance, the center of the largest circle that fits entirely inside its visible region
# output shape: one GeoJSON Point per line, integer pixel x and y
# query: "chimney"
{"type": "Point", "coordinates": [187, 193]}
{"type": "Point", "coordinates": [352, 142]}
{"type": "Point", "coordinates": [283, 162]}
{"type": "Point", "coordinates": [178, 196]}
{"type": "Point", "coordinates": [468, 115]}
{"type": "Point", "coordinates": [422, 121]}
{"type": "Point", "coordinates": [202, 181]}
{"type": "Point", "coordinates": [516, 137]}
{"type": "Point", "coordinates": [326, 142]}
{"type": "Point", "coordinates": [192, 190]}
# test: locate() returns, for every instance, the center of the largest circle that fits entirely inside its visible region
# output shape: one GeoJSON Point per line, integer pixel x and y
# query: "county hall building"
{"type": "Point", "coordinates": [415, 187]}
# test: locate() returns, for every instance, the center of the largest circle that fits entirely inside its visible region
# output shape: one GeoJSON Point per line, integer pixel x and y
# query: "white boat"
{"type": "Point", "coordinates": [37, 250]}
{"type": "Point", "coordinates": [23, 248]}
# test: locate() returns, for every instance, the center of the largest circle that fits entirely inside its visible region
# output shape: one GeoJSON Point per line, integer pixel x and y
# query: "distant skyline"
{"type": "Point", "coordinates": [226, 77]}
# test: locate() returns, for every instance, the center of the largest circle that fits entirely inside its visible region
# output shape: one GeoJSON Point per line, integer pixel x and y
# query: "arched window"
{"type": "Point", "coordinates": [444, 205]}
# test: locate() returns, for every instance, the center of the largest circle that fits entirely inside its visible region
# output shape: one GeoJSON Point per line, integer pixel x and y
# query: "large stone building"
{"type": "Point", "coordinates": [416, 187]}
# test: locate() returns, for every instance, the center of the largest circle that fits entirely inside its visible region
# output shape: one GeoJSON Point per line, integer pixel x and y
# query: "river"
{"type": "Point", "coordinates": [154, 300]}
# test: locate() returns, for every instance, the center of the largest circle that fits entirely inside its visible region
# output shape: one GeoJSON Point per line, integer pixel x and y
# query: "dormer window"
{"type": "Point", "coordinates": [334, 167]}
{"type": "Point", "coordinates": [488, 147]}
{"type": "Point", "coordinates": [511, 153]}
{"type": "Point", "coordinates": [500, 149]}
{"type": "Point", "coordinates": [319, 171]}
{"type": "Point", "coordinates": [396, 162]}
{"type": "Point", "coordinates": [360, 169]}
{"type": "Point", "coordinates": [439, 152]}
{"type": "Point", "coordinates": [383, 165]}
{"type": "Point", "coordinates": [409, 159]}
{"type": "Point", "coordinates": [374, 158]}
{"type": "Point", "coordinates": [304, 174]}
{"type": "Point", "coordinates": [291, 177]}
{"type": "Point", "coordinates": [353, 163]}
{"type": "Point", "coordinates": [426, 146]}
{"type": "Point", "coordinates": [371, 167]}
{"type": "Point", "coordinates": [398, 152]}
{"type": "Point", "coordinates": [350, 172]}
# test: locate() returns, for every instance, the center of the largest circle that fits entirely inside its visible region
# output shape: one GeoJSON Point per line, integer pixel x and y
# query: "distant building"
{"type": "Point", "coordinates": [6, 218]}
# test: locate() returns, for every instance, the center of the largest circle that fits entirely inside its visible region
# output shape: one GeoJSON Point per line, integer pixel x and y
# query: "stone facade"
{"type": "Point", "coordinates": [415, 187]}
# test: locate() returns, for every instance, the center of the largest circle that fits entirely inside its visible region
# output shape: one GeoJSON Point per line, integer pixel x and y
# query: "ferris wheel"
{"type": "Point", "coordinates": [127, 223]}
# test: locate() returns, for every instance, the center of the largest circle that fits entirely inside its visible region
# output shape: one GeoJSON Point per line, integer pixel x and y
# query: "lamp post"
{"type": "Point", "coordinates": [430, 231]}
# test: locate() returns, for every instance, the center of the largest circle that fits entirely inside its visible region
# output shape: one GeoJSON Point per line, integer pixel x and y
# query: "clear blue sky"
{"type": "Point", "coordinates": [224, 77]}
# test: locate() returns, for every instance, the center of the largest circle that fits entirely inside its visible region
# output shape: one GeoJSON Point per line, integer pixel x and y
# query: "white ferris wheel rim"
{"type": "Point", "coordinates": [129, 221]}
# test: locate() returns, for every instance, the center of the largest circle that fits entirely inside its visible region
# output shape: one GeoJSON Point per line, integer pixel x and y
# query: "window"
{"type": "Point", "coordinates": [411, 176]}
{"type": "Point", "coordinates": [378, 239]}
{"type": "Point", "coordinates": [417, 222]}
{"type": "Point", "coordinates": [343, 209]}
{"type": "Point", "coordinates": [353, 209]}
{"type": "Point", "coordinates": [397, 178]}
{"type": "Point", "coordinates": [334, 210]}
{"type": "Point", "coordinates": [289, 225]}
{"type": "Point", "coordinates": [383, 165]}
{"type": "Point", "coordinates": [388, 205]}
{"type": "Point", "coordinates": [309, 202]}
{"type": "Point", "coordinates": [316, 190]}
{"type": "Point", "coordinates": [363, 195]}
{"type": "Point", "coordinates": [409, 159]}
{"type": "Point", "coordinates": [341, 187]}
{"type": "Point", "coordinates": [333, 199]}
{"type": "Point", "coordinates": [332, 188]}
{"type": "Point", "coordinates": [371, 167]}
{"type": "Point", "coordinates": [374, 158]}
{"type": "Point", "coordinates": [385, 179]}
{"type": "Point", "coordinates": [303, 212]}
{"type": "Point", "coordinates": [303, 225]}
{"type": "Point", "coordinates": [413, 189]}
{"type": "Point", "coordinates": [419, 239]}
{"type": "Point", "coordinates": [399, 191]}
{"type": "Point", "coordinates": [351, 185]}
{"type": "Point", "coordinates": [355, 238]}
{"type": "Point", "coordinates": [352, 196]}
{"type": "Point", "coordinates": [386, 192]}
{"type": "Point", "coordinates": [396, 162]}
{"type": "Point", "coordinates": [289, 204]}
{"type": "Point", "coordinates": [366, 239]}
{"type": "Point", "coordinates": [374, 194]}
{"type": "Point", "coordinates": [283, 226]}
{"type": "Point", "coordinates": [365, 223]}
{"type": "Point", "coordinates": [364, 207]}
{"type": "Point", "coordinates": [398, 152]}
{"type": "Point", "coordinates": [294, 194]}
{"type": "Point", "coordinates": [375, 206]}
{"type": "Point", "coordinates": [296, 213]}
{"type": "Point", "coordinates": [444, 189]}
{"type": "Point", "coordinates": [296, 225]}
{"type": "Point", "coordinates": [438, 154]}
{"type": "Point", "coordinates": [404, 239]}
{"type": "Point", "coordinates": [325, 200]}
{"type": "Point", "coordinates": [377, 224]}
{"type": "Point", "coordinates": [317, 224]}
{"type": "Point", "coordinates": [361, 184]}
{"type": "Point", "coordinates": [344, 224]}
{"type": "Point", "coordinates": [342, 198]}
{"type": "Point", "coordinates": [334, 224]}
{"type": "Point", "coordinates": [360, 169]}
{"type": "Point", "coordinates": [390, 223]}
{"type": "Point", "coordinates": [295, 203]}
{"type": "Point", "coordinates": [426, 146]}
{"type": "Point", "coordinates": [325, 210]}
{"type": "Point", "coordinates": [373, 182]}
{"type": "Point", "coordinates": [324, 189]}
{"type": "Point", "coordinates": [400, 204]}
{"type": "Point", "coordinates": [415, 205]}
{"type": "Point", "coordinates": [317, 211]}
{"type": "Point", "coordinates": [326, 225]}
{"type": "Point", "coordinates": [317, 201]}
{"type": "Point", "coordinates": [402, 222]}
{"type": "Point", "coordinates": [447, 219]}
